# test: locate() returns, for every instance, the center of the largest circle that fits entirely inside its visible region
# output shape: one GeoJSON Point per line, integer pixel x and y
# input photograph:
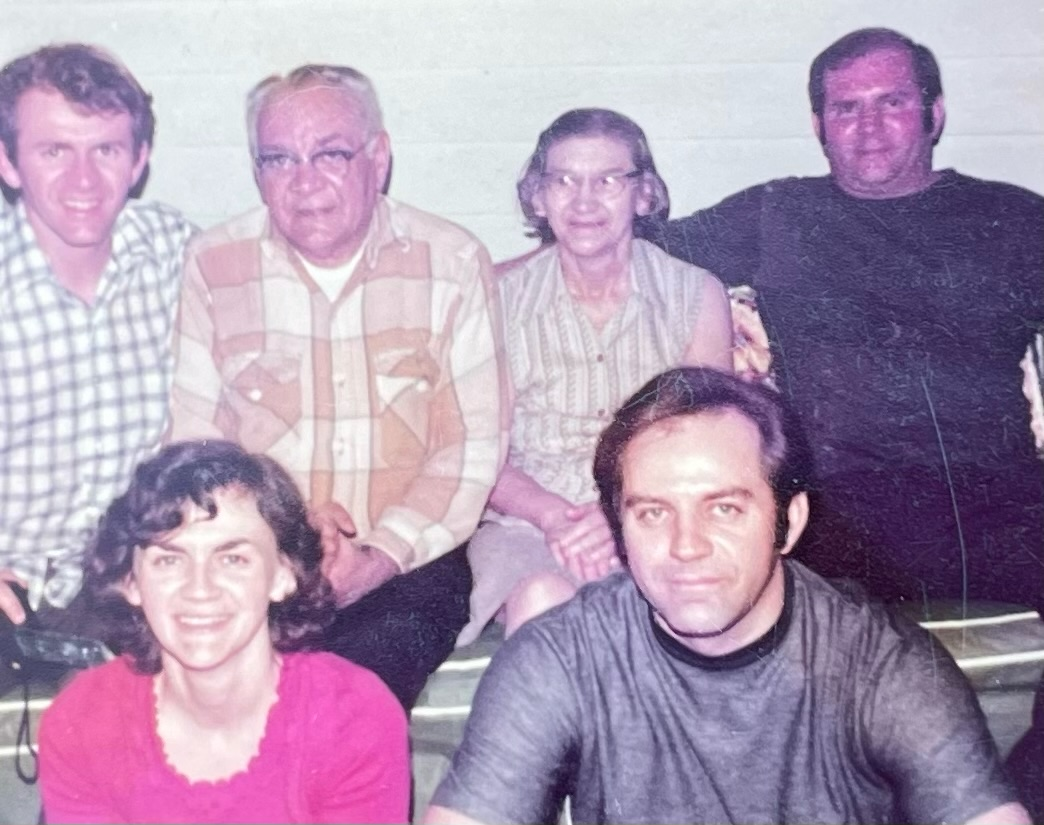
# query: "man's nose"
{"type": "Point", "coordinates": [870, 119]}
{"type": "Point", "coordinates": [84, 171]}
{"type": "Point", "coordinates": [305, 176]}
{"type": "Point", "coordinates": [691, 541]}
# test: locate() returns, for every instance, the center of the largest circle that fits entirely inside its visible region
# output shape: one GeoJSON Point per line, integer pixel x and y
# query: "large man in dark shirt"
{"type": "Point", "coordinates": [898, 300]}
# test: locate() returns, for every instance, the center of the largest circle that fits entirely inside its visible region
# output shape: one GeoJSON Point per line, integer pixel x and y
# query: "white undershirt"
{"type": "Point", "coordinates": [331, 280]}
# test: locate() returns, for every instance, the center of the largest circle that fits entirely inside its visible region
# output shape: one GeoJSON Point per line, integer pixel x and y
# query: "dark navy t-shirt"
{"type": "Point", "coordinates": [897, 328]}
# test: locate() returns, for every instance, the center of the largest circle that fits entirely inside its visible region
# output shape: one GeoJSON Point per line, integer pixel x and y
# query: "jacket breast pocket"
{"type": "Point", "coordinates": [404, 385]}
{"type": "Point", "coordinates": [263, 396]}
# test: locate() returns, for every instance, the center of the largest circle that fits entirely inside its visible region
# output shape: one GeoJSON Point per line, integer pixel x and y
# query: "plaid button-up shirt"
{"type": "Point", "coordinates": [388, 400]}
{"type": "Point", "coordinates": [83, 388]}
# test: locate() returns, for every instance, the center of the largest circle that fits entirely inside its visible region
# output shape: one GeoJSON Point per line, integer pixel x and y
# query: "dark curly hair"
{"type": "Point", "coordinates": [193, 472]}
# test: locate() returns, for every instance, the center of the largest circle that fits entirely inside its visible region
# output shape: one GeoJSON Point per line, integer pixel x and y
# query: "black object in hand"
{"type": "Point", "coordinates": [24, 644]}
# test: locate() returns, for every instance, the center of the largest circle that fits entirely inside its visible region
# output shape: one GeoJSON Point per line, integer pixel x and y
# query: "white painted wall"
{"type": "Point", "coordinates": [466, 85]}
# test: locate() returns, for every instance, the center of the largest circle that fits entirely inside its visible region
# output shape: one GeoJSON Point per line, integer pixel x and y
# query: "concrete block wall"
{"type": "Point", "coordinates": [466, 85]}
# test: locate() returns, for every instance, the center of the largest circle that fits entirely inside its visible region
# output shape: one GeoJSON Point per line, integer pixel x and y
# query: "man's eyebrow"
{"type": "Point", "coordinates": [334, 137]}
{"type": "Point", "coordinates": [900, 91]}
{"type": "Point", "coordinates": [738, 491]}
{"type": "Point", "coordinates": [272, 147]}
{"type": "Point", "coordinates": [635, 499]}
{"type": "Point", "coordinates": [731, 492]}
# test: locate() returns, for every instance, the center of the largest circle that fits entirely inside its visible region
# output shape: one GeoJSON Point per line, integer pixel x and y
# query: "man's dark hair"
{"type": "Point", "coordinates": [85, 76]}
{"type": "Point", "coordinates": [593, 123]}
{"type": "Point", "coordinates": [689, 391]}
{"type": "Point", "coordinates": [192, 472]}
{"type": "Point", "coordinates": [865, 41]}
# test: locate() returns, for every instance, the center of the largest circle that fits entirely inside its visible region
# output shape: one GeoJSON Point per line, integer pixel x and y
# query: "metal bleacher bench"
{"type": "Point", "coordinates": [1000, 650]}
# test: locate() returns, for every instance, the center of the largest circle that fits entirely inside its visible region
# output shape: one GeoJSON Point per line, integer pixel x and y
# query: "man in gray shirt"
{"type": "Point", "coordinates": [714, 681]}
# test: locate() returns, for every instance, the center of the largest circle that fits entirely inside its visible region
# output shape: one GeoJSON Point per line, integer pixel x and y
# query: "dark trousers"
{"type": "Point", "coordinates": [405, 629]}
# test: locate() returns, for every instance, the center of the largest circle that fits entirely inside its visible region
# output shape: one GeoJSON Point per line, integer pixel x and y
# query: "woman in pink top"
{"type": "Point", "coordinates": [209, 576]}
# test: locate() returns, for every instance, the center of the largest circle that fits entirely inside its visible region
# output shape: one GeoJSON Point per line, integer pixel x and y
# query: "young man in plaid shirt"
{"type": "Point", "coordinates": [88, 289]}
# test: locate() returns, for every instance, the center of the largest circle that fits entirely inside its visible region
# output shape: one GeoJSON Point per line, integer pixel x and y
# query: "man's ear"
{"type": "Point", "coordinates": [938, 117]}
{"type": "Point", "coordinates": [797, 518]}
{"type": "Point", "coordinates": [817, 128]}
{"type": "Point", "coordinates": [144, 152]}
{"type": "Point", "coordinates": [285, 583]}
{"type": "Point", "coordinates": [8, 170]}
{"type": "Point", "coordinates": [381, 153]}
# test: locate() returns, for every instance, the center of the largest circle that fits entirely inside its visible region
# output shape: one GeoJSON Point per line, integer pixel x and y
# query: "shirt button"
{"type": "Point", "coordinates": [254, 394]}
{"type": "Point", "coordinates": [601, 413]}
{"type": "Point", "coordinates": [600, 358]}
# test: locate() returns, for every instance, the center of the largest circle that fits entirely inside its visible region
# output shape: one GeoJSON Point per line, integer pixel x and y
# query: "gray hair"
{"type": "Point", "coordinates": [597, 123]}
{"type": "Point", "coordinates": [355, 85]}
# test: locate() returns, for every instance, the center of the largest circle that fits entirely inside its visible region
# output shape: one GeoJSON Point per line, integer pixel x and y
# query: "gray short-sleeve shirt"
{"type": "Point", "coordinates": [841, 713]}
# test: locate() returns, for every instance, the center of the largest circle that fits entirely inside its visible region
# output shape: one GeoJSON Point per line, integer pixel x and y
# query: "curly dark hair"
{"type": "Point", "coordinates": [193, 472]}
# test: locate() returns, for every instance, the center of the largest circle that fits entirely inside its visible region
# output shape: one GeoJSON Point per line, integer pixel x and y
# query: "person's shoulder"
{"type": "Point", "coordinates": [990, 198]}
{"type": "Point", "coordinates": [157, 222]}
{"type": "Point", "coordinates": [753, 197]}
{"type": "Point", "coordinates": [951, 179]}
{"type": "Point", "coordinates": [664, 267]}
{"type": "Point", "coordinates": [532, 276]}
{"type": "Point", "coordinates": [95, 695]}
{"type": "Point", "coordinates": [115, 673]}
{"type": "Point", "coordinates": [603, 595]}
{"type": "Point", "coordinates": [248, 227]}
{"type": "Point", "coordinates": [445, 237]}
{"type": "Point", "coordinates": [600, 610]}
{"type": "Point", "coordinates": [325, 674]}
{"type": "Point", "coordinates": [352, 701]}
{"type": "Point", "coordinates": [230, 252]}
{"type": "Point", "coordinates": [859, 629]}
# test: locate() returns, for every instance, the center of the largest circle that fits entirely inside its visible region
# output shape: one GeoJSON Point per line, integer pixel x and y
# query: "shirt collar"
{"type": "Point", "coordinates": [25, 251]}
{"type": "Point", "coordinates": [551, 287]}
{"type": "Point", "coordinates": [131, 242]}
{"type": "Point", "coordinates": [385, 226]}
{"type": "Point", "coordinates": [132, 239]}
{"type": "Point", "coordinates": [757, 650]}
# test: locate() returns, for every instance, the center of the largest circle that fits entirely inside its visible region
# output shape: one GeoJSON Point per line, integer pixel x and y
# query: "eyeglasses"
{"type": "Point", "coordinates": [603, 186]}
{"type": "Point", "coordinates": [333, 162]}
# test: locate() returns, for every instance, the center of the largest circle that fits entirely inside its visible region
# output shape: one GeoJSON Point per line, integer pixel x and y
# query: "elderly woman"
{"type": "Point", "coordinates": [587, 320]}
{"type": "Point", "coordinates": [208, 572]}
